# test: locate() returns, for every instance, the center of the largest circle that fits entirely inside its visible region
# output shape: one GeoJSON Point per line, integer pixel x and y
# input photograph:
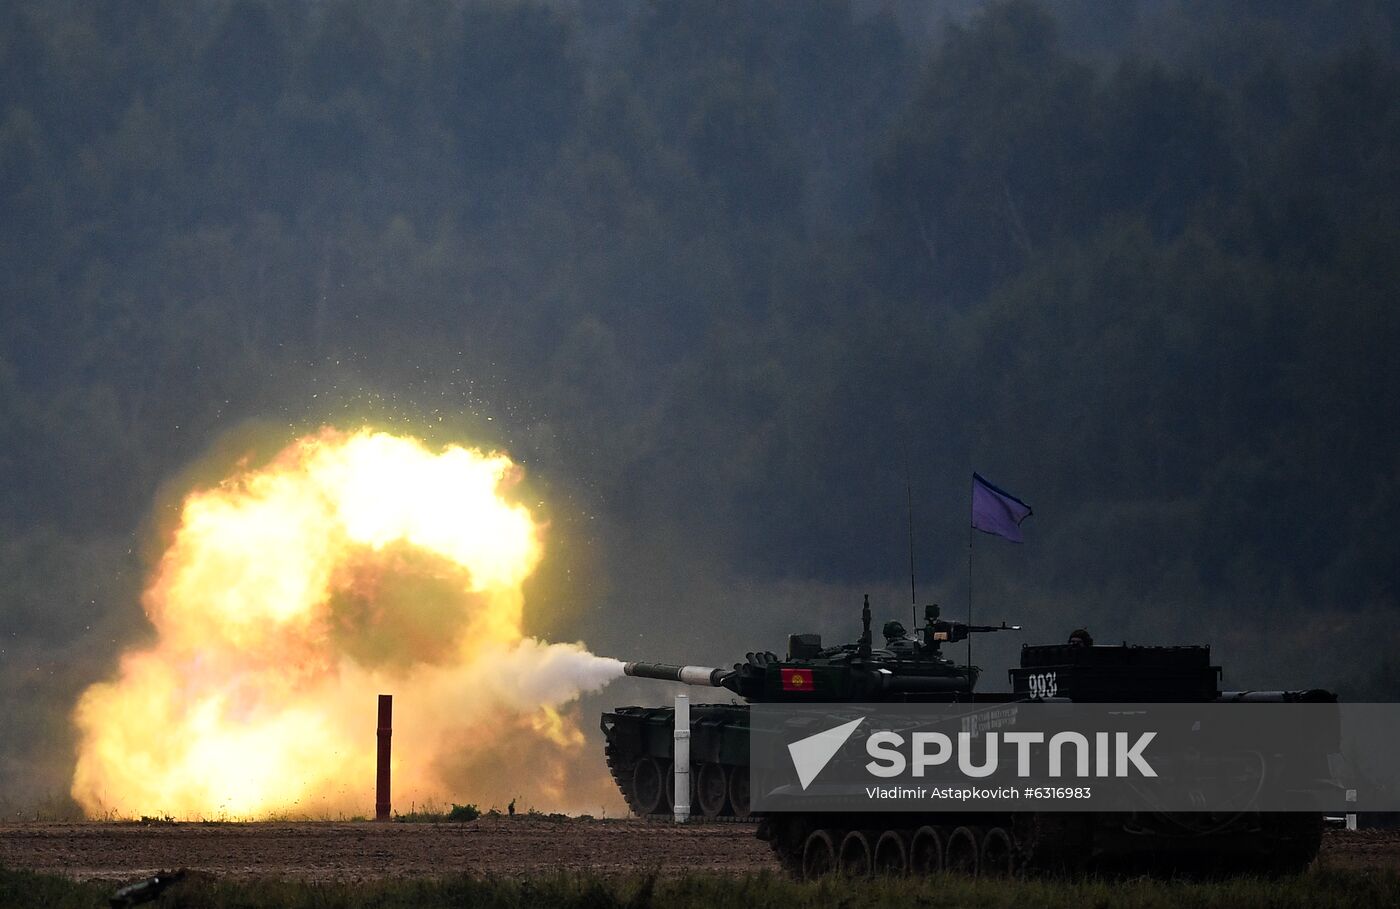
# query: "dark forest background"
{"type": "Point", "coordinates": [721, 275]}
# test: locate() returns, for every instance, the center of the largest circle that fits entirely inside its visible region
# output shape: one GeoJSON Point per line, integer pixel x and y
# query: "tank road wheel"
{"type": "Point", "coordinates": [960, 853]}
{"type": "Point", "coordinates": [711, 788]}
{"type": "Point", "coordinates": [891, 856]}
{"type": "Point", "coordinates": [739, 791]}
{"type": "Point", "coordinates": [926, 852]}
{"type": "Point", "coordinates": [857, 859]}
{"type": "Point", "coordinates": [786, 837]}
{"type": "Point", "coordinates": [998, 859]}
{"type": "Point", "coordinates": [668, 786]}
{"type": "Point", "coordinates": [647, 785]}
{"type": "Point", "coordinates": [818, 855]}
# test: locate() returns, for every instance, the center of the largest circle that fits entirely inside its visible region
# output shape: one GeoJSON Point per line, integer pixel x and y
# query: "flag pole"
{"type": "Point", "coordinates": [994, 511]}
{"type": "Point", "coordinates": [909, 491]}
{"type": "Point", "coordinates": [969, 595]}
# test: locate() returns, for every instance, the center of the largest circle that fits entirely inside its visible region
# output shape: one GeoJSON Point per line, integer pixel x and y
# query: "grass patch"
{"type": "Point", "coordinates": [24, 888]}
{"type": "Point", "coordinates": [463, 812]}
{"type": "Point", "coordinates": [456, 814]}
{"type": "Point", "coordinates": [1327, 889]}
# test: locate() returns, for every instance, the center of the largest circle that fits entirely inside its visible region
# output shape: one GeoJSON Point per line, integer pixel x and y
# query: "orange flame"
{"type": "Point", "coordinates": [293, 593]}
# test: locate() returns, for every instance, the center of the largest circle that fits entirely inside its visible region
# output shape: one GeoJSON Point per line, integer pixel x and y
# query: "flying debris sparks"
{"type": "Point", "coordinates": [293, 592]}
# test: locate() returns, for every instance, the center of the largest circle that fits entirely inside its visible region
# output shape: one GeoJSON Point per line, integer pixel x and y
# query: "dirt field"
{"type": "Point", "coordinates": [356, 851]}
{"type": "Point", "coordinates": [1362, 849]}
{"type": "Point", "coordinates": [505, 846]}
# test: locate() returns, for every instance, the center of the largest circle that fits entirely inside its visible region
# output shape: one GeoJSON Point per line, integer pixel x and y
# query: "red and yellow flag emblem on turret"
{"type": "Point", "coordinates": [797, 680]}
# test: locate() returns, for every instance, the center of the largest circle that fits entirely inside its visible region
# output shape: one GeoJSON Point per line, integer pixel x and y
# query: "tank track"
{"type": "Point", "coordinates": [621, 769]}
{"type": "Point", "coordinates": [809, 846]}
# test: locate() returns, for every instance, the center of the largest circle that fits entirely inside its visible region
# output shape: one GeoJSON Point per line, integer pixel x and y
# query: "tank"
{"type": "Point", "coordinates": [911, 667]}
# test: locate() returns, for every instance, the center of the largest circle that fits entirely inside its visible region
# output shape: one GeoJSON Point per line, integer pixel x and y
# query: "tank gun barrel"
{"type": "Point", "coordinates": [704, 676]}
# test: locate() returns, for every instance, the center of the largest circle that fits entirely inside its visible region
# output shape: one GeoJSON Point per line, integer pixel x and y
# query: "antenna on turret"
{"type": "Point", "coordinates": [864, 651]}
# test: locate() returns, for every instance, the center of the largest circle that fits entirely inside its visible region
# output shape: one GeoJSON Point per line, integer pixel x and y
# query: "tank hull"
{"type": "Point", "coordinates": [639, 747]}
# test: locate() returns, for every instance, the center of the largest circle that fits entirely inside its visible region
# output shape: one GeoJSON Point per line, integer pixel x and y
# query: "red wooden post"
{"type": "Point", "coordinates": [381, 781]}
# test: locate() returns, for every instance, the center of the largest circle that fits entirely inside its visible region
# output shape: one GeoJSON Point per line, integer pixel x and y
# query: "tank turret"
{"type": "Point", "coordinates": [906, 668]}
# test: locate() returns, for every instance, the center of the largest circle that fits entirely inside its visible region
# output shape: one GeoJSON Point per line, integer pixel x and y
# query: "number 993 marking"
{"type": "Point", "coordinates": [1042, 684]}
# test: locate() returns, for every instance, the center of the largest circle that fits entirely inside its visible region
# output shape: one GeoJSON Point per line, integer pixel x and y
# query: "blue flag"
{"type": "Point", "coordinates": [997, 511]}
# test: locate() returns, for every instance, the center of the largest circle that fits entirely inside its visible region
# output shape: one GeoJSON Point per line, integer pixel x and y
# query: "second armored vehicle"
{"type": "Point", "coordinates": [913, 668]}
